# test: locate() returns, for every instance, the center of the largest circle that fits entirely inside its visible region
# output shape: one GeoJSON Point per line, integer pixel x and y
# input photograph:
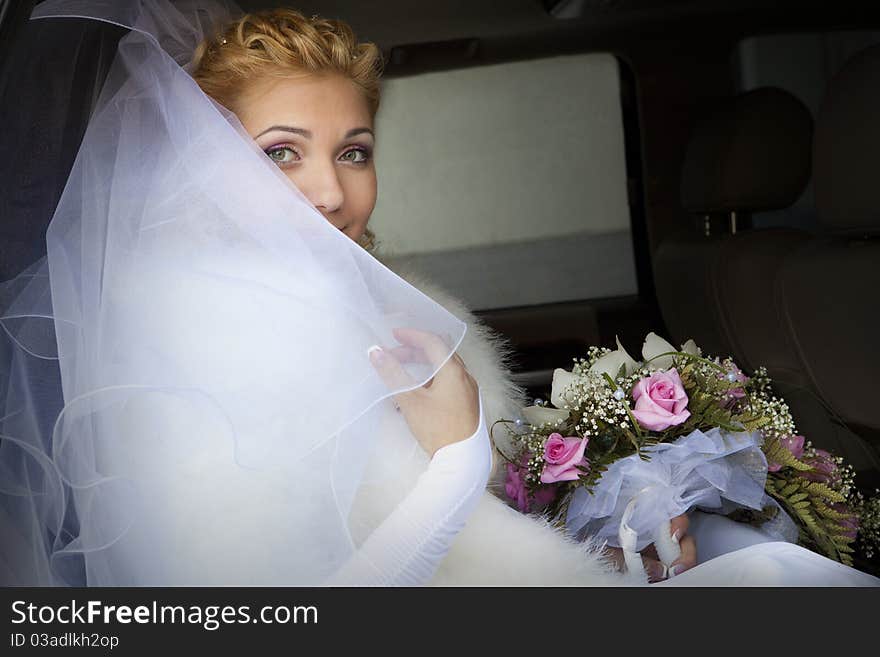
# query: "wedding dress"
{"type": "Point", "coordinates": [220, 421]}
{"type": "Point", "coordinates": [189, 398]}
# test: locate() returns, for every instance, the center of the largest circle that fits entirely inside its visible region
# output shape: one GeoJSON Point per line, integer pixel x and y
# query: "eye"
{"type": "Point", "coordinates": [356, 156]}
{"type": "Point", "coordinates": [282, 154]}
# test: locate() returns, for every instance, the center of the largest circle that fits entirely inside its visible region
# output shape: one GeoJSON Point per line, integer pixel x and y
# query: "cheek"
{"type": "Point", "coordinates": [360, 197]}
{"type": "Point", "coordinates": [295, 175]}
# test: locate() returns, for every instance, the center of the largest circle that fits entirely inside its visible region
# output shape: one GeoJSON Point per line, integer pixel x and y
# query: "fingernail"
{"type": "Point", "coordinates": [676, 536]}
{"type": "Point", "coordinates": [375, 353]}
{"type": "Point", "coordinates": [677, 569]}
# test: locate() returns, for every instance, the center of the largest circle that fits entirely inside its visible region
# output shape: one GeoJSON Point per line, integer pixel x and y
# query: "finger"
{"type": "Point", "coordinates": [688, 558]}
{"type": "Point", "coordinates": [406, 354]}
{"type": "Point", "coordinates": [389, 368]}
{"type": "Point", "coordinates": [655, 570]}
{"type": "Point", "coordinates": [435, 349]}
{"type": "Point", "coordinates": [678, 527]}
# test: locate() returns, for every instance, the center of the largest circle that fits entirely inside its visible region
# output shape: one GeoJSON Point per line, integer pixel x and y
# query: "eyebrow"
{"type": "Point", "coordinates": [308, 134]}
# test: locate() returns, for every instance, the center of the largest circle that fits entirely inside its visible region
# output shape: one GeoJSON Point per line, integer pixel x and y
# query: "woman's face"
{"type": "Point", "coordinates": [319, 131]}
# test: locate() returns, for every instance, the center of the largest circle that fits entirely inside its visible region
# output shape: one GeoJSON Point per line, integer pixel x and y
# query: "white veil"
{"type": "Point", "coordinates": [208, 329]}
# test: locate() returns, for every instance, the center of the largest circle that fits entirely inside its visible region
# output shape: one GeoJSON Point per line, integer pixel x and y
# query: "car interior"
{"type": "Point", "coordinates": [578, 171]}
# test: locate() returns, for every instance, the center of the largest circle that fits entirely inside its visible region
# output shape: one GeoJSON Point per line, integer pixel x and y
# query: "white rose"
{"type": "Point", "coordinates": [690, 347]}
{"type": "Point", "coordinates": [538, 415]}
{"type": "Point", "coordinates": [611, 362]}
{"type": "Point", "coordinates": [652, 348]}
{"type": "Point", "coordinates": [562, 379]}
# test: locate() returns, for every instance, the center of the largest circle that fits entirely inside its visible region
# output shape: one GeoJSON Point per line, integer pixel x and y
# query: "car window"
{"type": "Point", "coordinates": [507, 183]}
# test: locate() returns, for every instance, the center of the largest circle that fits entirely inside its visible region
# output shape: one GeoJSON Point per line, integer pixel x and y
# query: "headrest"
{"type": "Point", "coordinates": [751, 155]}
{"type": "Point", "coordinates": [847, 147]}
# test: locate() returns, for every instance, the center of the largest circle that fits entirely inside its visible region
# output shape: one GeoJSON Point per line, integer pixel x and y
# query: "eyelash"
{"type": "Point", "coordinates": [279, 148]}
{"type": "Point", "coordinates": [359, 149]}
{"type": "Point", "coordinates": [366, 152]}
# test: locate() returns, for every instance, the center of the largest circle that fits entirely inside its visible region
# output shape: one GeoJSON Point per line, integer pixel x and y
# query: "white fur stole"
{"type": "Point", "coordinates": [499, 546]}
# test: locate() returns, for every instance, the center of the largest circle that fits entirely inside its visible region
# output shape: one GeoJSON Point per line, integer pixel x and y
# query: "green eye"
{"type": "Point", "coordinates": [282, 154]}
{"type": "Point", "coordinates": [356, 155]}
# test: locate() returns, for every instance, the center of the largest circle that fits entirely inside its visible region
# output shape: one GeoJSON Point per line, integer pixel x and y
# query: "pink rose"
{"type": "Point", "coordinates": [515, 488]}
{"type": "Point", "coordinates": [561, 458]}
{"type": "Point", "coordinates": [544, 495]}
{"type": "Point", "coordinates": [794, 444]}
{"type": "Point", "coordinates": [660, 401]}
{"type": "Point", "coordinates": [824, 468]}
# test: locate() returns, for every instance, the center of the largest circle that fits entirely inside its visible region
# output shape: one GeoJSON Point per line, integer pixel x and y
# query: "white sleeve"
{"type": "Point", "coordinates": [407, 547]}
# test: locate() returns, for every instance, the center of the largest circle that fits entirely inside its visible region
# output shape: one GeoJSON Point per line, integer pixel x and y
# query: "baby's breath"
{"type": "Point", "coordinates": [811, 487]}
{"type": "Point", "coordinates": [781, 423]}
{"type": "Point", "coordinates": [869, 522]}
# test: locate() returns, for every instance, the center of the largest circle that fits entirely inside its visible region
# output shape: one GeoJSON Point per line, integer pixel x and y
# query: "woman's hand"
{"type": "Point", "coordinates": [443, 411]}
{"type": "Point", "coordinates": [655, 569]}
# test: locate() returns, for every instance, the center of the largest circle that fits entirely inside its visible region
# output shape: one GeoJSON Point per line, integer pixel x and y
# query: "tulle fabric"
{"type": "Point", "coordinates": [189, 398]}
{"type": "Point", "coordinates": [714, 470]}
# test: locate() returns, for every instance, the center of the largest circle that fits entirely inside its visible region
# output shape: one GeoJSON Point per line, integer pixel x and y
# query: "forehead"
{"type": "Point", "coordinates": [305, 100]}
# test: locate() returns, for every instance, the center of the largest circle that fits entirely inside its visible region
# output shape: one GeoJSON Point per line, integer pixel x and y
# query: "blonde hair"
{"type": "Point", "coordinates": [279, 42]}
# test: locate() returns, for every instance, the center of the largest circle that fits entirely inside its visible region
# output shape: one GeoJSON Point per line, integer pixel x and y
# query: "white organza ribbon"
{"type": "Point", "coordinates": [634, 499]}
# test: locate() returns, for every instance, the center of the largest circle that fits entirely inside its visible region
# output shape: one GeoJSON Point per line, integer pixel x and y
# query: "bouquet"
{"type": "Point", "coordinates": [636, 443]}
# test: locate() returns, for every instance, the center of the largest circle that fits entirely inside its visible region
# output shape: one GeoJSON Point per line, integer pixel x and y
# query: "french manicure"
{"type": "Point", "coordinates": [676, 536]}
{"type": "Point", "coordinates": [677, 569]}
{"type": "Point", "coordinates": [375, 353]}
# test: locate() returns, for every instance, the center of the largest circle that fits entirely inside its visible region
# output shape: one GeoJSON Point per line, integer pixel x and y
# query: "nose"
{"type": "Point", "coordinates": [321, 186]}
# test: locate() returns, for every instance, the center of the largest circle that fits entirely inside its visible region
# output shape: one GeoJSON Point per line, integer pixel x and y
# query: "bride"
{"type": "Point", "coordinates": [249, 395]}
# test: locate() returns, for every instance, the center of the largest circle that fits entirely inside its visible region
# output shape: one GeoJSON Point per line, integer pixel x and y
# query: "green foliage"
{"type": "Point", "coordinates": [714, 401]}
{"type": "Point", "coordinates": [807, 503]}
{"type": "Point", "coordinates": [708, 393]}
{"type": "Point", "coordinates": [776, 452]}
